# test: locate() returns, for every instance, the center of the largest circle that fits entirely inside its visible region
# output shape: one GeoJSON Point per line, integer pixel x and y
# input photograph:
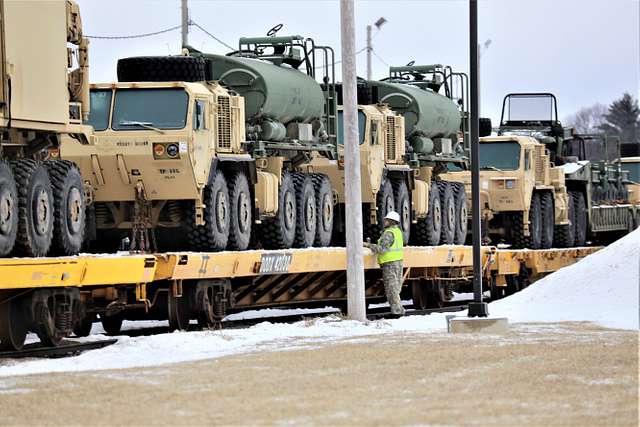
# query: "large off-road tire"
{"type": "Point", "coordinates": [36, 208]}
{"type": "Point", "coordinates": [515, 226]}
{"type": "Point", "coordinates": [161, 69]}
{"type": "Point", "coordinates": [462, 216]}
{"type": "Point", "coordinates": [565, 235]}
{"type": "Point", "coordinates": [241, 212]}
{"type": "Point", "coordinates": [324, 210]}
{"type": "Point", "coordinates": [13, 331]}
{"type": "Point", "coordinates": [548, 220]}
{"type": "Point", "coordinates": [403, 207]}
{"type": "Point", "coordinates": [214, 234]}
{"type": "Point", "coordinates": [112, 324]}
{"type": "Point", "coordinates": [448, 206]}
{"type": "Point", "coordinates": [385, 201]}
{"type": "Point", "coordinates": [69, 207]}
{"type": "Point", "coordinates": [306, 214]}
{"type": "Point", "coordinates": [279, 232]}
{"type": "Point", "coordinates": [8, 209]}
{"type": "Point", "coordinates": [426, 232]}
{"type": "Point", "coordinates": [580, 209]}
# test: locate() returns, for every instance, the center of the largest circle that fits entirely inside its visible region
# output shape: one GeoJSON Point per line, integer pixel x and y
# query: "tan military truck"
{"type": "Point", "coordinates": [523, 198]}
{"type": "Point", "coordinates": [43, 95]}
{"type": "Point", "coordinates": [632, 166]}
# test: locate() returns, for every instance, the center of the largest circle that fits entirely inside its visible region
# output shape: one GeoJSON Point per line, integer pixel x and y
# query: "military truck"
{"type": "Point", "coordinates": [523, 198]}
{"type": "Point", "coordinates": [43, 95]}
{"type": "Point", "coordinates": [632, 166]}
{"type": "Point", "coordinates": [594, 183]}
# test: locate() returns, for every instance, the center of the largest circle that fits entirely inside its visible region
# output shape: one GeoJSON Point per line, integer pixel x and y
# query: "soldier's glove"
{"type": "Point", "coordinates": [367, 244]}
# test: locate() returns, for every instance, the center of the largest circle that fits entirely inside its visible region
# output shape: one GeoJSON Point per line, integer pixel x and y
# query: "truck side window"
{"type": "Point", "coordinates": [374, 132]}
{"type": "Point", "coordinates": [198, 115]}
{"type": "Point", "coordinates": [527, 160]}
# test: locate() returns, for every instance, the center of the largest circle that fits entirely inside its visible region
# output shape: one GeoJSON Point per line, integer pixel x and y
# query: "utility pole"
{"type": "Point", "coordinates": [477, 308]}
{"type": "Point", "coordinates": [353, 197]}
{"type": "Point", "coordinates": [185, 23]}
{"type": "Point", "coordinates": [369, 52]}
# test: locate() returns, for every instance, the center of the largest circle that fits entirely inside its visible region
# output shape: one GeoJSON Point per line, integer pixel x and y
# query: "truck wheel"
{"type": "Point", "coordinates": [565, 235]}
{"type": "Point", "coordinates": [403, 207]}
{"type": "Point", "coordinates": [427, 229]}
{"type": "Point", "coordinates": [548, 220]}
{"type": "Point", "coordinates": [112, 324]}
{"type": "Point", "coordinates": [35, 219]}
{"type": "Point", "coordinates": [8, 209]}
{"type": "Point", "coordinates": [324, 209]}
{"type": "Point", "coordinates": [241, 211]}
{"type": "Point", "coordinates": [535, 222]}
{"type": "Point", "coordinates": [69, 207]}
{"type": "Point", "coordinates": [462, 219]}
{"type": "Point", "coordinates": [214, 234]}
{"type": "Point", "coordinates": [386, 203]}
{"type": "Point", "coordinates": [448, 205]}
{"type": "Point", "coordinates": [161, 69]}
{"type": "Point", "coordinates": [306, 215]}
{"type": "Point", "coordinates": [279, 232]}
{"type": "Point", "coordinates": [580, 212]}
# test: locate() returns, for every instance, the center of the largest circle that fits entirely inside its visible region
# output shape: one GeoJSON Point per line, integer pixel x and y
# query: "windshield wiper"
{"type": "Point", "coordinates": [146, 125]}
{"type": "Point", "coordinates": [490, 168]}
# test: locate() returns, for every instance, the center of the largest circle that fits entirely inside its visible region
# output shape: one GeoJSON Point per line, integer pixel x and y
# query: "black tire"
{"type": "Point", "coordinates": [565, 235]}
{"type": "Point", "coordinates": [112, 324]}
{"type": "Point", "coordinates": [385, 201]}
{"type": "Point", "coordinates": [548, 220]}
{"type": "Point", "coordinates": [8, 209]}
{"type": "Point", "coordinates": [462, 216]}
{"type": "Point", "coordinates": [306, 215]}
{"type": "Point", "coordinates": [580, 212]}
{"type": "Point", "coordinates": [69, 207]}
{"type": "Point", "coordinates": [36, 208]}
{"type": "Point", "coordinates": [448, 209]}
{"type": "Point", "coordinates": [161, 69]}
{"type": "Point", "coordinates": [403, 207]}
{"type": "Point", "coordinates": [214, 234]}
{"type": "Point", "coordinates": [241, 212]}
{"type": "Point", "coordinates": [84, 326]}
{"type": "Point", "coordinates": [535, 222]}
{"type": "Point", "coordinates": [324, 210]}
{"type": "Point", "coordinates": [427, 230]}
{"type": "Point", "coordinates": [279, 232]}
{"type": "Point", "coordinates": [13, 331]}
{"type": "Point", "coordinates": [515, 226]}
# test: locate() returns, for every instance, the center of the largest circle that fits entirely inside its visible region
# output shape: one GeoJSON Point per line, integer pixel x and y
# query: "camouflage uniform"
{"type": "Point", "coordinates": [391, 273]}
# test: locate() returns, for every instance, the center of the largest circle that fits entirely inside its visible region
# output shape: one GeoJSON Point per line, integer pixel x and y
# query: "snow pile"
{"type": "Point", "coordinates": [602, 288]}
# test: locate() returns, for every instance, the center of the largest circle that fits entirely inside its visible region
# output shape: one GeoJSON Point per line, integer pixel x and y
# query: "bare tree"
{"type": "Point", "coordinates": [588, 119]}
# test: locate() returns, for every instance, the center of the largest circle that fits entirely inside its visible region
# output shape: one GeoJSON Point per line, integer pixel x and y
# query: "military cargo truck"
{"type": "Point", "coordinates": [631, 165]}
{"type": "Point", "coordinates": [43, 95]}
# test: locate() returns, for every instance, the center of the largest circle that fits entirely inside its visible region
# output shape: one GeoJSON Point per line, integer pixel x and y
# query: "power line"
{"type": "Point", "coordinates": [195, 24]}
{"type": "Point", "coordinates": [379, 58]}
{"type": "Point", "coordinates": [358, 52]}
{"type": "Point", "coordinates": [135, 36]}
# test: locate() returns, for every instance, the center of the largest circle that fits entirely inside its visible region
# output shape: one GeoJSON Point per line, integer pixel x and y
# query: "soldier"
{"type": "Point", "coordinates": [390, 252]}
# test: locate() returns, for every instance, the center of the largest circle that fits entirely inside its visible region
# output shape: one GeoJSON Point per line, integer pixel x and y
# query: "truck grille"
{"type": "Point", "coordinates": [390, 147]}
{"type": "Point", "coordinates": [540, 163]}
{"type": "Point", "coordinates": [224, 123]}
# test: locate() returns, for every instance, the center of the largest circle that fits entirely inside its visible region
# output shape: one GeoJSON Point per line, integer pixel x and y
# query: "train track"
{"type": "Point", "coordinates": [66, 349]}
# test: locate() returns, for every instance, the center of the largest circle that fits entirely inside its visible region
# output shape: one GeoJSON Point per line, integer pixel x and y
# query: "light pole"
{"type": "Point", "coordinates": [379, 23]}
{"type": "Point", "coordinates": [481, 51]}
{"type": "Point", "coordinates": [184, 10]}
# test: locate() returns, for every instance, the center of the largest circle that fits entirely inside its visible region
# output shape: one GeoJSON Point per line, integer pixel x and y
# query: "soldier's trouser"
{"type": "Point", "coordinates": [392, 277]}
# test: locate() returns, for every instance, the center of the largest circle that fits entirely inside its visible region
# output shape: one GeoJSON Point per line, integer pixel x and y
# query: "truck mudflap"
{"type": "Point", "coordinates": [611, 218]}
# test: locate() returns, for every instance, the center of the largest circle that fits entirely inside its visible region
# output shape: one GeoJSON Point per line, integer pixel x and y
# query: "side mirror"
{"type": "Point", "coordinates": [485, 126]}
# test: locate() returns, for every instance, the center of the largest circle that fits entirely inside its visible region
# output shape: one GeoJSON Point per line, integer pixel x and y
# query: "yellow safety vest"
{"type": "Point", "coordinates": [395, 252]}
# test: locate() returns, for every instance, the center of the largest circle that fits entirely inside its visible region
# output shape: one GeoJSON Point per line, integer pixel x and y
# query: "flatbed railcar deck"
{"type": "Point", "coordinates": [57, 296]}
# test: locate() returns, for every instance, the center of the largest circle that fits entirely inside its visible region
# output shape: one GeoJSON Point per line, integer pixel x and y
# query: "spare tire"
{"type": "Point", "coordinates": [161, 69]}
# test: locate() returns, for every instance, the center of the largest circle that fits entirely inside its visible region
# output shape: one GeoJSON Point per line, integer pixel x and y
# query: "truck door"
{"type": "Point", "coordinates": [203, 139]}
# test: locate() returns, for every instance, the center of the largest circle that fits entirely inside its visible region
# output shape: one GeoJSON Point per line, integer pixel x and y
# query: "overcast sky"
{"type": "Point", "coordinates": [585, 51]}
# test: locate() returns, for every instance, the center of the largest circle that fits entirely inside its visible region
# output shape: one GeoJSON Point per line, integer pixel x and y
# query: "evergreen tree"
{"type": "Point", "coordinates": [623, 119]}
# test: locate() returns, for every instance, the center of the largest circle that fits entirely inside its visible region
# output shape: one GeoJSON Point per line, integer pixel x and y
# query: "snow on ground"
{"type": "Point", "coordinates": [601, 288]}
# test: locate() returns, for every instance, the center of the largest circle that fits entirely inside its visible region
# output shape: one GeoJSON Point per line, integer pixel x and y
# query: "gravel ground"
{"type": "Point", "coordinates": [551, 374]}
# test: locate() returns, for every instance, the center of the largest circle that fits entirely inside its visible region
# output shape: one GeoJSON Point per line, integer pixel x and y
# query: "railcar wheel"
{"type": "Point", "coordinates": [427, 229]}
{"type": "Point", "coordinates": [306, 215]}
{"type": "Point", "coordinates": [36, 207]}
{"type": "Point", "coordinates": [548, 220]}
{"type": "Point", "coordinates": [69, 207]}
{"type": "Point", "coordinates": [13, 331]}
{"type": "Point", "coordinates": [84, 326]}
{"type": "Point", "coordinates": [279, 232]}
{"type": "Point", "coordinates": [179, 312]}
{"type": "Point", "coordinates": [461, 214]}
{"type": "Point", "coordinates": [324, 209]}
{"type": "Point", "coordinates": [403, 207]}
{"type": "Point", "coordinates": [241, 212]}
{"type": "Point", "coordinates": [448, 206]}
{"type": "Point", "coordinates": [420, 295]}
{"type": "Point", "coordinates": [8, 209]}
{"type": "Point", "coordinates": [112, 324]}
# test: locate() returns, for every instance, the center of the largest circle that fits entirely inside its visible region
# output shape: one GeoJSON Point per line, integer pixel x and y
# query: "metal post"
{"type": "Point", "coordinates": [185, 23]}
{"type": "Point", "coordinates": [353, 197]}
{"type": "Point", "coordinates": [477, 308]}
{"type": "Point", "coordinates": [369, 51]}
{"type": "Point", "coordinates": [479, 81]}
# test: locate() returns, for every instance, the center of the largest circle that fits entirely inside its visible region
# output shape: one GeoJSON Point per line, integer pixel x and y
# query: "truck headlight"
{"type": "Point", "coordinates": [510, 183]}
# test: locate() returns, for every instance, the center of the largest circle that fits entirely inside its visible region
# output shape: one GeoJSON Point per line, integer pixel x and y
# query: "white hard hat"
{"type": "Point", "coordinates": [393, 215]}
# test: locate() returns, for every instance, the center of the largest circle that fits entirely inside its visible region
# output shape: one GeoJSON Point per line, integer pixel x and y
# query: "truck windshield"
{"type": "Point", "coordinates": [361, 124]}
{"type": "Point", "coordinates": [141, 109]}
{"type": "Point", "coordinates": [504, 156]}
{"type": "Point", "coordinates": [529, 108]}
{"type": "Point", "coordinates": [634, 171]}
{"type": "Point", "coordinates": [100, 104]}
